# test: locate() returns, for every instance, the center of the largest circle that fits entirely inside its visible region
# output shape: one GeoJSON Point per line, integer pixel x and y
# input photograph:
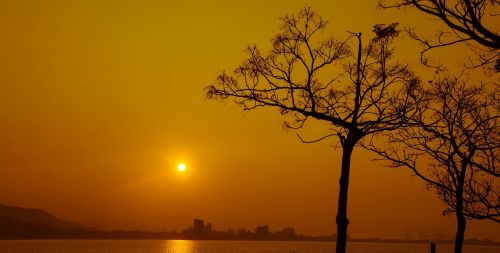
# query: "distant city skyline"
{"type": "Point", "coordinates": [18, 222]}
{"type": "Point", "coordinates": [32, 223]}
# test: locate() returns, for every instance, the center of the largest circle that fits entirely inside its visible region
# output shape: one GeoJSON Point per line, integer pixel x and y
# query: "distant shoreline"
{"type": "Point", "coordinates": [473, 242]}
{"type": "Point", "coordinates": [18, 223]}
{"type": "Point", "coordinates": [361, 240]}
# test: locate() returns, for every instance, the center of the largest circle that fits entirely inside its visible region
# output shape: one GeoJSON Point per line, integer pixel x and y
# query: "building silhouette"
{"type": "Point", "coordinates": [201, 230]}
{"type": "Point", "coordinates": [262, 231]}
{"type": "Point", "coordinates": [198, 227]}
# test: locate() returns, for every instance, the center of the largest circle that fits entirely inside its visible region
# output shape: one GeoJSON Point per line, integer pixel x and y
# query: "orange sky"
{"type": "Point", "coordinates": [99, 100]}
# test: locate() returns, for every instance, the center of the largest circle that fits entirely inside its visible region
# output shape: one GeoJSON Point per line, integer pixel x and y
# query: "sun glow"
{"type": "Point", "coordinates": [181, 167]}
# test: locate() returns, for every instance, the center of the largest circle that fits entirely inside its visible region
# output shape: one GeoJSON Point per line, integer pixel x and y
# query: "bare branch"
{"type": "Point", "coordinates": [458, 131]}
{"type": "Point", "coordinates": [468, 21]}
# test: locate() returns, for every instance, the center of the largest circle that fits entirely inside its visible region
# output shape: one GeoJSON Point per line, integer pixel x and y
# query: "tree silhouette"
{"type": "Point", "coordinates": [307, 74]}
{"type": "Point", "coordinates": [468, 20]}
{"type": "Point", "coordinates": [457, 132]}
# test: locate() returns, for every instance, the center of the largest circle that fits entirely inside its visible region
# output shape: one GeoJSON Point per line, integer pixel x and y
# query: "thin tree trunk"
{"type": "Point", "coordinates": [342, 221]}
{"type": "Point", "coordinates": [461, 222]}
{"type": "Point", "coordinates": [459, 237]}
{"type": "Point", "coordinates": [459, 209]}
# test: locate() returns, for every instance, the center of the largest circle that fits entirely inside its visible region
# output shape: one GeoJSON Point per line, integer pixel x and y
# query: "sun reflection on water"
{"type": "Point", "coordinates": [180, 246]}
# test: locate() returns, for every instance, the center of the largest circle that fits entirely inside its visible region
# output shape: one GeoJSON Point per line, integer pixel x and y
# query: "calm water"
{"type": "Point", "coordinates": [186, 246]}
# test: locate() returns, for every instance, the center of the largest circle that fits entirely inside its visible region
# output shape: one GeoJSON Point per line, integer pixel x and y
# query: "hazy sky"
{"type": "Point", "coordinates": [99, 100]}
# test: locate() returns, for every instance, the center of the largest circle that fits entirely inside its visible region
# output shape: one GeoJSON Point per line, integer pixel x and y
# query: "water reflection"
{"type": "Point", "coordinates": [180, 246]}
{"type": "Point", "coordinates": [187, 246]}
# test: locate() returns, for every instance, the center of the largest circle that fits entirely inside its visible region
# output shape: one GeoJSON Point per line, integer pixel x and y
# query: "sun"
{"type": "Point", "coordinates": [181, 167]}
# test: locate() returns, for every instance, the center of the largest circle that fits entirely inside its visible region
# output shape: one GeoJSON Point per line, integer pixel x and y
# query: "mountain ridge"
{"type": "Point", "coordinates": [32, 223]}
{"type": "Point", "coordinates": [34, 216]}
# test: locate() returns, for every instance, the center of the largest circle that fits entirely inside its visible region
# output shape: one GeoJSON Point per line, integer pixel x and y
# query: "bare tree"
{"type": "Point", "coordinates": [307, 74]}
{"type": "Point", "coordinates": [457, 132]}
{"type": "Point", "coordinates": [470, 21]}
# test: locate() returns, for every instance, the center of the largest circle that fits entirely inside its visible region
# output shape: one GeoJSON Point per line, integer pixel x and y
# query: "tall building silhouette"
{"type": "Point", "coordinates": [198, 227]}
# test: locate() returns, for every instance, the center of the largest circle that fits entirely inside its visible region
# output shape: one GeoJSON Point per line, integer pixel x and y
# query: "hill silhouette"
{"type": "Point", "coordinates": [22, 223]}
{"type": "Point", "coordinates": [33, 216]}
